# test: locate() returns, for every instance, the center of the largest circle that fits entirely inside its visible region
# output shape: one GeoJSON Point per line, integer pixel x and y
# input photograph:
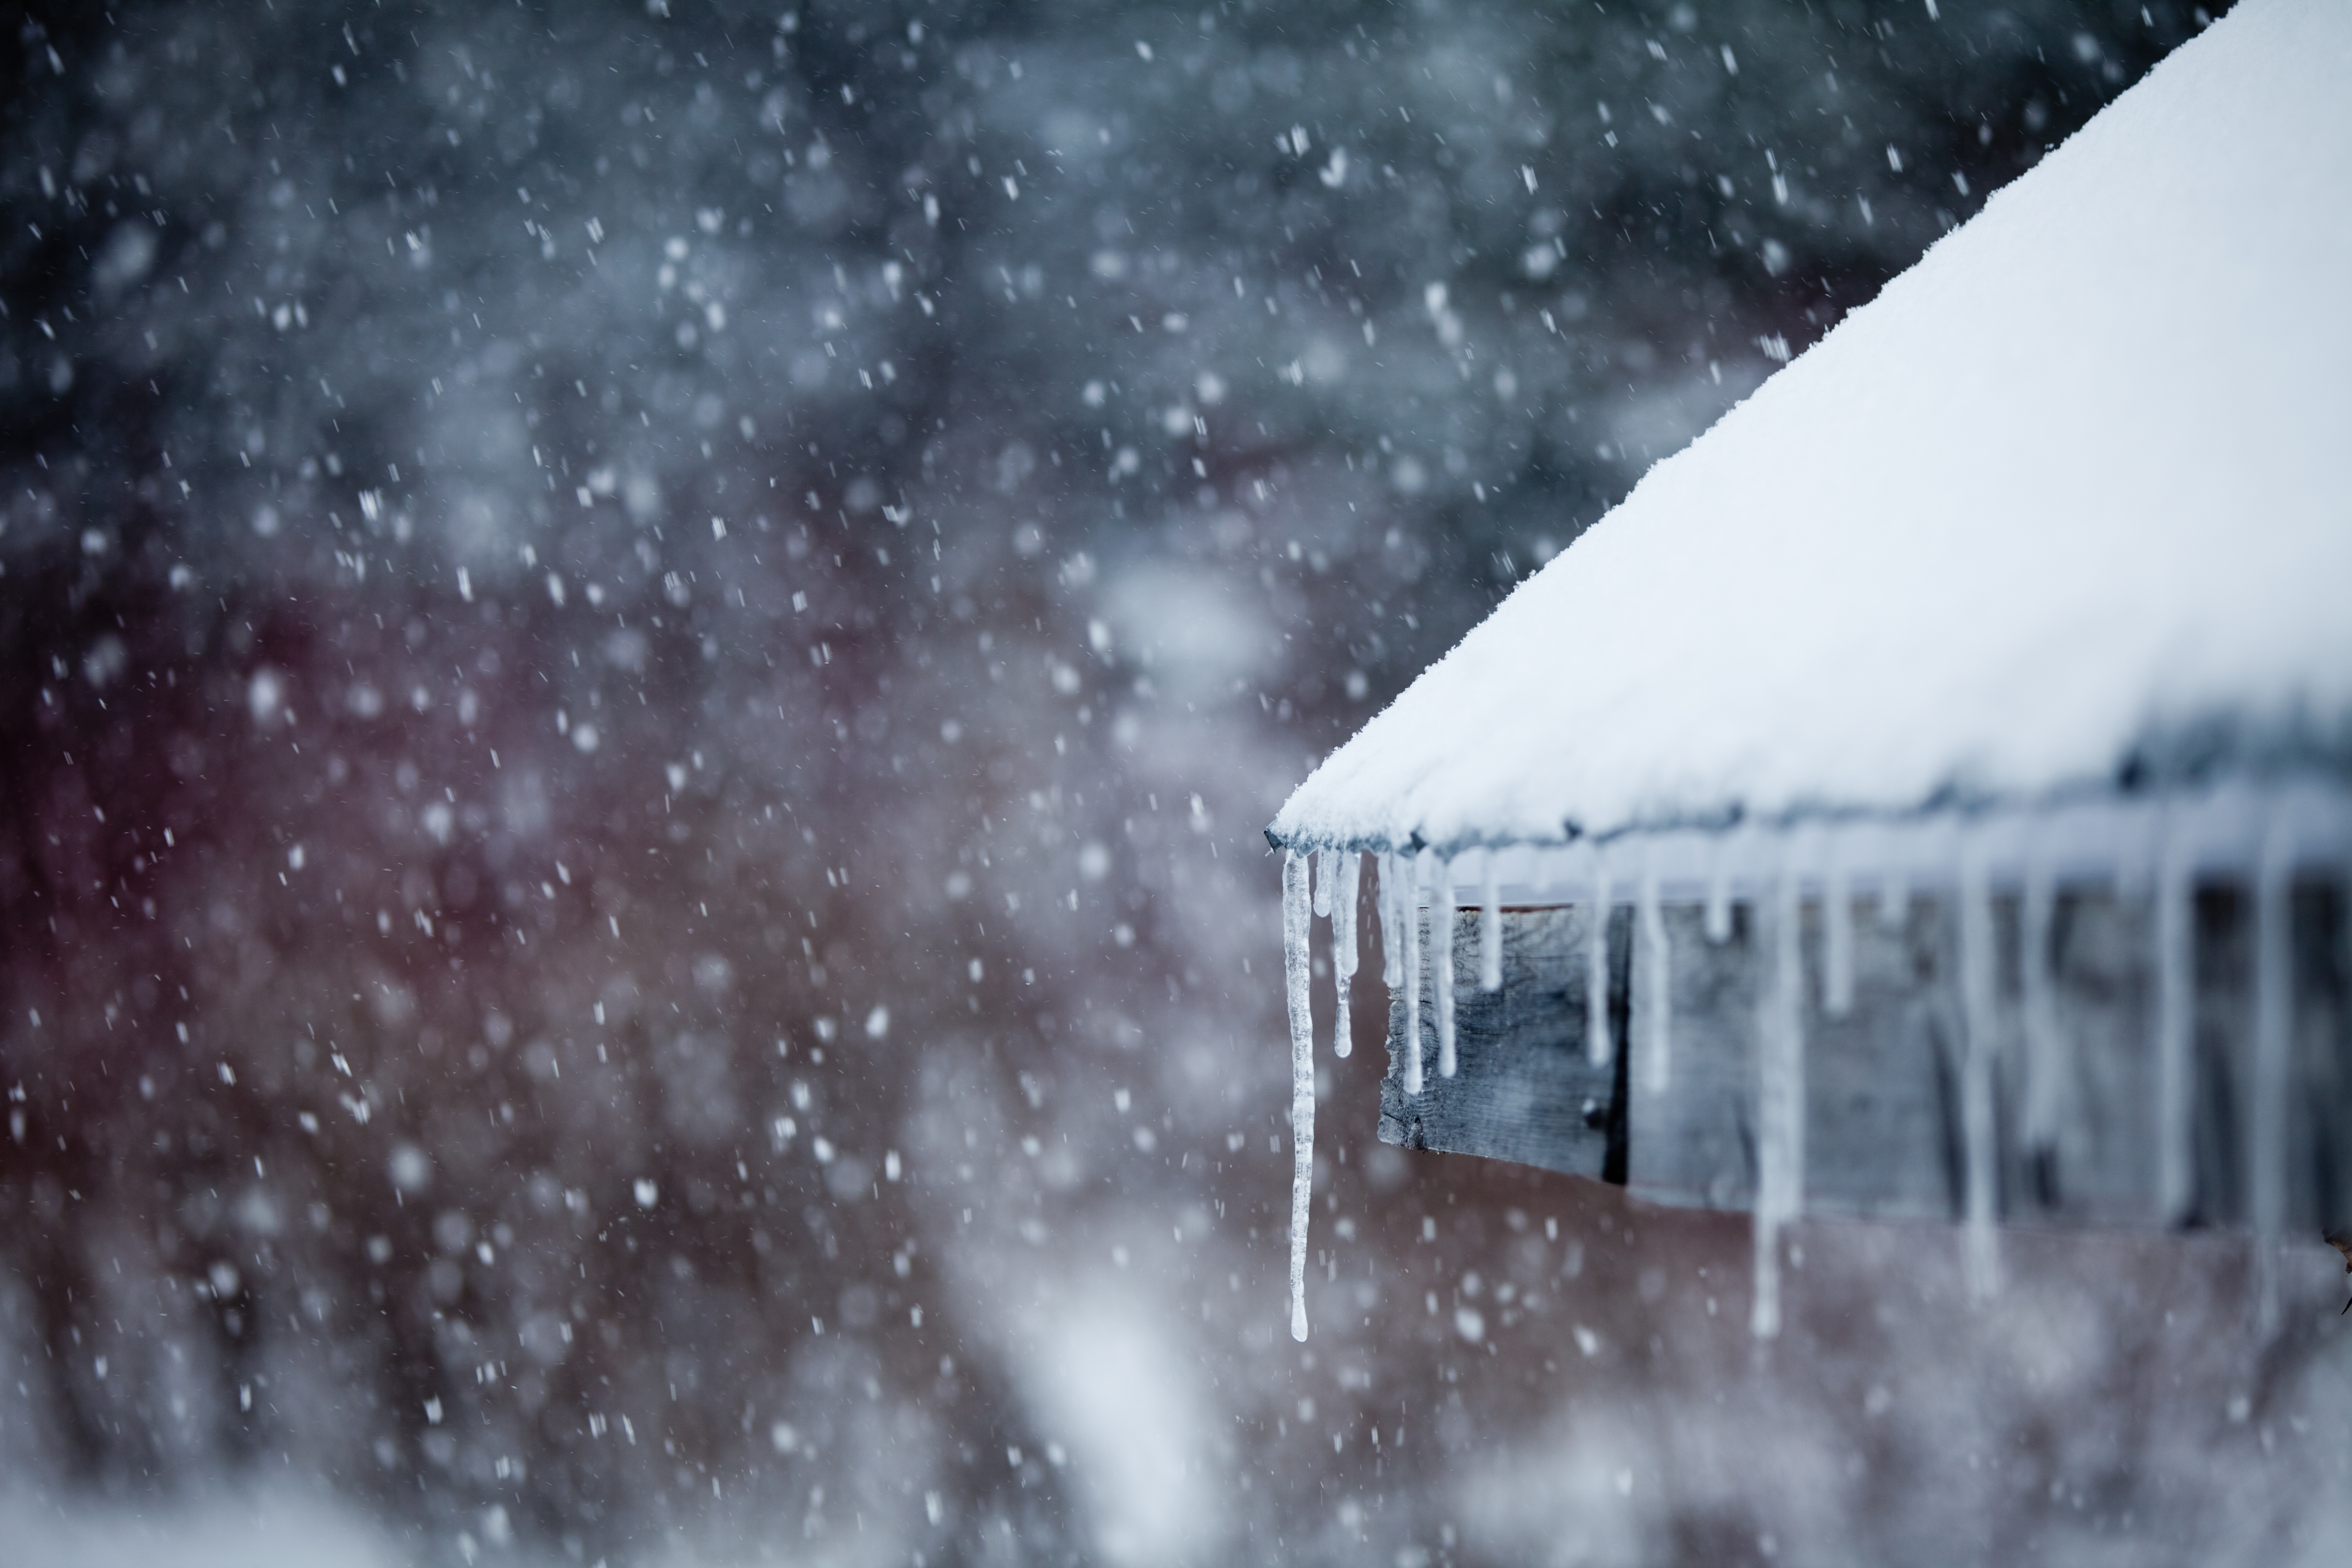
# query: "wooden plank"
{"type": "Point", "coordinates": [2320, 1098]}
{"type": "Point", "coordinates": [1526, 1090]}
{"type": "Point", "coordinates": [1694, 1144]}
{"type": "Point", "coordinates": [1883, 1087]}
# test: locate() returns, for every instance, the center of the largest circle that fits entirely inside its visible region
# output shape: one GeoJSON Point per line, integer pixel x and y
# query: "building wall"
{"type": "Point", "coordinates": [2073, 1071]}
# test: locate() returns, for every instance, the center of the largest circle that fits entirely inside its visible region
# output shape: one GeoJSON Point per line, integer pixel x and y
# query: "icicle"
{"type": "Point", "coordinates": [2135, 855]}
{"type": "Point", "coordinates": [1718, 892]}
{"type": "Point", "coordinates": [1440, 956]}
{"type": "Point", "coordinates": [1837, 933]}
{"type": "Point", "coordinates": [1894, 894]}
{"type": "Point", "coordinates": [1764, 1316]}
{"type": "Point", "coordinates": [1659, 980]}
{"type": "Point", "coordinates": [1598, 1046]}
{"type": "Point", "coordinates": [1389, 896]}
{"type": "Point", "coordinates": [2344, 925]}
{"type": "Point", "coordinates": [1348, 871]}
{"type": "Point", "coordinates": [1779, 1099]}
{"type": "Point", "coordinates": [1296, 971]}
{"type": "Point", "coordinates": [1324, 861]}
{"type": "Point", "coordinates": [2048, 1073]}
{"type": "Point", "coordinates": [2174, 951]}
{"type": "Point", "coordinates": [1978, 1024]}
{"type": "Point", "coordinates": [1490, 929]}
{"type": "Point", "coordinates": [1409, 916]}
{"type": "Point", "coordinates": [2273, 1030]}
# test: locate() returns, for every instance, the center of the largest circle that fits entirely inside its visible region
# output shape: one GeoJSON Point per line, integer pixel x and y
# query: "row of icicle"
{"type": "Point", "coordinates": [1330, 889]}
{"type": "Point", "coordinates": [1334, 882]}
{"type": "Point", "coordinates": [1335, 885]}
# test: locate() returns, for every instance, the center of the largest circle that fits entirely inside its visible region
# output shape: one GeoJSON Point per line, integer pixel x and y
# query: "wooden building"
{"type": "Point", "coordinates": [1930, 793]}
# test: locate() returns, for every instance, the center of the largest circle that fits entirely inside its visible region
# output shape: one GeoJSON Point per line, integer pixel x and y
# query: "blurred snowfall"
{"type": "Point", "coordinates": [641, 648]}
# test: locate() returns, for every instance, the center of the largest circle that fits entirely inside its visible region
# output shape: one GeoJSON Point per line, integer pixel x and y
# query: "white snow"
{"type": "Point", "coordinates": [1103, 1367]}
{"type": "Point", "coordinates": [206, 1529]}
{"type": "Point", "coordinates": [2075, 483]}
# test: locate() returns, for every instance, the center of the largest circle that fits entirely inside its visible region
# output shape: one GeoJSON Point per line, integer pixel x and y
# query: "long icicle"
{"type": "Point", "coordinates": [2174, 954]}
{"type": "Point", "coordinates": [1600, 1048]}
{"type": "Point", "coordinates": [1894, 895]}
{"type": "Point", "coordinates": [1490, 928]}
{"type": "Point", "coordinates": [1296, 972]}
{"type": "Point", "coordinates": [1391, 875]}
{"type": "Point", "coordinates": [1348, 871]}
{"type": "Point", "coordinates": [1409, 915]}
{"type": "Point", "coordinates": [2048, 1073]}
{"type": "Point", "coordinates": [1779, 1096]}
{"type": "Point", "coordinates": [1658, 982]}
{"type": "Point", "coordinates": [1978, 1131]}
{"type": "Point", "coordinates": [1718, 888]}
{"type": "Point", "coordinates": [1441, 956]}
{"type": "Point", "coordinates": [1837, 930]}
{"type": "Point", "coordinates": [2266, 1149]}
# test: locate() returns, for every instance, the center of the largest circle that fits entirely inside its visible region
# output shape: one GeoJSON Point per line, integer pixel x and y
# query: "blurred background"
{"type": "Point", "coordinates": [642, 647]}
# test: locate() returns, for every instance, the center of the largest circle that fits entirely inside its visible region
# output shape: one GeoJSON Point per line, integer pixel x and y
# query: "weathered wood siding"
{"type": "Point", "coordinates": [1526, 1088]}
{"type": "Point", "coordinates": [2076, 1138]}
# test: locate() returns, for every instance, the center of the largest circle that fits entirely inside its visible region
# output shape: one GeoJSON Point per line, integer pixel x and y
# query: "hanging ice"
{"type": "Point", "coordinates": [1598, 1046]}
{"type": "Point", "coordinates": [1979, 1025]}
{"type": "Point", "coordinates": [2048, 1072]}
{"type": "Point", "coordinates": [1718, 892]}
{"type": "Point", "coordinates": [1893, 898]}
{"type": "Point", "coordinates": [1389, 897]}
{"type": "Point", "coordinates": [1322, 882]}
{"type": "Point", "coordinates": [1658, 982]}
{"type": "Point", "coordinates": [1344, 869]}
{"type": "Point", "coordinates": [1837, 934]}
{"type": "Point", "coordinates": [1490, 928]}
{"type": "Point", "coordinates": [1409, 916]}
{"type": "Point", "coordinates": [2173, 955]}
{"type": "Point", "coordinates": [2273, 1027]}
{"type": "Point", "coordinates": [1296, 972]}
{"type": "Point", "coordinates": [1779, 1099]}
{"type": "Point", "coordinates": [1441, 932]}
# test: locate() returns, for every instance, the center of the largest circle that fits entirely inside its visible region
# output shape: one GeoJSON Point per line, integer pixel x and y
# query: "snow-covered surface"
{"type": "Point", "coordinates": [222, 1530]}
{"type": "Point", "coordinates": [2077, 485]}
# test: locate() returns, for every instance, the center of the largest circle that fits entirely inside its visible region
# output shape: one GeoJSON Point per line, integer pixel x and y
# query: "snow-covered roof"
{"type": "Point", "coordinates": [2073, 494]}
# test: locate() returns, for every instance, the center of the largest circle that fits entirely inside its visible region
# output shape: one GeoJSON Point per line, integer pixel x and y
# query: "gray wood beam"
{"type": "Point", "coordinates": [2075, 1120]}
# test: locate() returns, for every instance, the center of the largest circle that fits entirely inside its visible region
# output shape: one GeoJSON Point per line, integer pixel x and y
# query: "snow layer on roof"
{"type": "Point", "coordinates": [2078, 482]}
